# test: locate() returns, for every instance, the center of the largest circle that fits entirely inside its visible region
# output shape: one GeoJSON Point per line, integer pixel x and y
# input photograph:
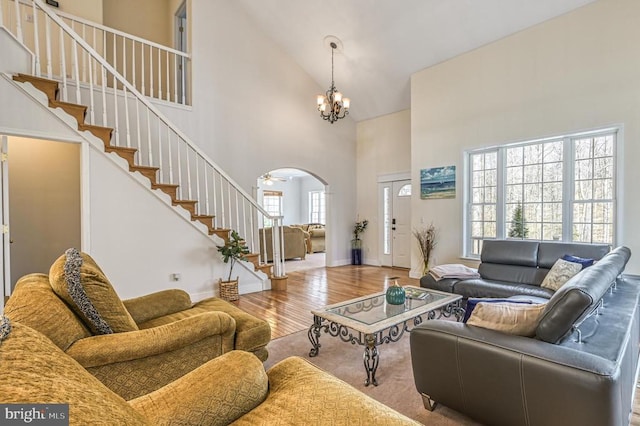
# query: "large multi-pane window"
{"type": "Point", "coordinates": [316, 207]}
{"type": "Point", "coordinates": [272, 203]}
{"type": "Point", "coordinates": [558, 189]}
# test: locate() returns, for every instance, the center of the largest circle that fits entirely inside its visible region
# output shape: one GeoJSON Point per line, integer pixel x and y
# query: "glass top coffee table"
{"type": "Point", "coordinates": [370, 321]}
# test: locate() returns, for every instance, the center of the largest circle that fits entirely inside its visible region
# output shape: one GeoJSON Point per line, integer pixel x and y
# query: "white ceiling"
{"type": "Point", "coordinates": [385, 41]}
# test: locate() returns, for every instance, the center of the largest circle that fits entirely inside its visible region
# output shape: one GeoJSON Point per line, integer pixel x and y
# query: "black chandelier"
{"type": "Point", "coordinates": [332, 105]}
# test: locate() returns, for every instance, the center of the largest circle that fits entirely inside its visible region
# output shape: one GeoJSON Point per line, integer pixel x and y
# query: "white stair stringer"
{"type": "Point", "coordinates": [262, 281]}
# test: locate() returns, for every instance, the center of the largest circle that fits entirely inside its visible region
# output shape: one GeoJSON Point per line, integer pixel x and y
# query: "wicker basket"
{"type": "Point", "coordinates": [229, 290]}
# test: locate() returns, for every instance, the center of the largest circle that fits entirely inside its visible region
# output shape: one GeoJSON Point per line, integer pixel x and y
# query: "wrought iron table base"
{"type": "Point", "coordinates": [371, 357]}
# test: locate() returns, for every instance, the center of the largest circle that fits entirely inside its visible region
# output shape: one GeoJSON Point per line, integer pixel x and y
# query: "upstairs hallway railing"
{"type": "Point", "coordinates": [137, 124]}
{"type": "Point", "coordinates": [155, 70]}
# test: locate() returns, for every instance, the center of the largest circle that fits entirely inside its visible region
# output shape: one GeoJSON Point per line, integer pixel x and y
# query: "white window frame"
{"type": "Point", "coordinates": [271, 194]}
{"type": "Point", "coordinates": [322, 208]}
{"type": "Point", "coordinates": [568, 189]}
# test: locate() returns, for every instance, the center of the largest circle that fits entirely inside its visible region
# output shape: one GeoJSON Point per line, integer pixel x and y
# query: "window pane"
{"type": "Point", "coordinates": [552, 231]}
{"type": "Point", "coordinates": [553, 151]}
{"type": "Point", "coordinates": [582, 232]}
{"type": "Point", "coordinates": [583, 190]}
{"type": "Point", "coordinates": [533, 212]}
{"type": "Point", "coordinates": [584, 169]}
{"type": "Point", "coordinates": [476, 212]}
{"type": "Point", "coordinates": [478, 179]}
{"type": "Point", "coordinates": [552, 212]}
{"type": "Point", "coordinates": [490, 177]}
{"type": "Point", "coordinates": [514, 156]}
{"type": "Point", "coordinates": [477, 162]}
{"type": "Point", "coordinates": [603, 168]}
{"type": "Point", "coordinates": [552, 172]}
{"type": "Point", "coordinates": [552, 192]}
{"type": "Point", "coordinates": [491, 160]}
{"type": "Point", "coordinates": [490, 194]}
{"type": "Point", "coordinates": [476, 229]}
{"type": "Point", "coordinates": [533, 154]}
{"type": "Point", "coordinates": [603, 146]}
{"type": "Point", "coordinates": [535, 231]}
{"type": "Point", "coordinates": [490, 229]}
{"type": "Point", "coordinates": [583, 149]}
{"type": "Point", "coordinates": [490, 213]}
{"type": "Point", "coordinates": [478, 195]}
{"type": "Point", "coordinates": [602, 213]}
{"type": "Point", "coordinates": [405, 191]}
{"type": "Point", "coordinates": [532, 192]}
{"type": "Point", "coordinates": [533, 173]}
{"type": "Point", "coordinates": [514, 175]}
{"type": "Point", "coordinates": [582, 213]}
{"type": "Point", "coordinates": [603, 189]}
{"type": "Point", "coordinates": [514, 194]}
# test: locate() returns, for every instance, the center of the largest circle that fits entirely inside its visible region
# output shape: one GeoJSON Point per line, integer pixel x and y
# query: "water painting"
{"type": "Point", "coordinates": [438, 182]}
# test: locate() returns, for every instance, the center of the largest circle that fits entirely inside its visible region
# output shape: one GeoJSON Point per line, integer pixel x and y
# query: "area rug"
{"type": "Point", "coordinates": [395, 388]}
{"type": "Point", "coordinates": [311, 261]}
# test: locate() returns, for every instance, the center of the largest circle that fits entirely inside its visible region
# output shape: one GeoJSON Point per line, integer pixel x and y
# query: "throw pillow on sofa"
{"type": "Point", "coordinates": [78, 280]}
{"type": "Point", "coordinates": [560, 273]}
{"type": "Point", "coordinates": [518, 318]}
{"type": "Point", "coordinates": [585, 262]}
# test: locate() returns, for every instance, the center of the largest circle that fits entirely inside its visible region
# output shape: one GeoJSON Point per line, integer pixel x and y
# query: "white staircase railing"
{"type": "Point", "coordinates": [154, 70]}
{"type": "Point", "coordinates": [86, 78]}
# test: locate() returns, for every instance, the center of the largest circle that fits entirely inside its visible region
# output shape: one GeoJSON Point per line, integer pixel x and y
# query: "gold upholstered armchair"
{"type": "Point", "coordinates": [134, 346]}
{"type": "Point", "coordinates": [230, 389]}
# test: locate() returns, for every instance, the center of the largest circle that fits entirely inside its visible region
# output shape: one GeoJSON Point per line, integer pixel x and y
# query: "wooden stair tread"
{"type": "Point", "coordinates": [123, 149]}
{"type": "Point", "coordinates": [48, 87]}
{"type": "Point", "coordinates": [137, 167]}
{"type": "Point", "coordinates": [68, 104]}
{"type": "Point", "coordinates": [86, 126]}
{"type": "Point", "coordinates": [164, 185]}
{"type": "Point", "coordinates": [202, 216]}
{"type": "Point", "coordinates": [185, 201]}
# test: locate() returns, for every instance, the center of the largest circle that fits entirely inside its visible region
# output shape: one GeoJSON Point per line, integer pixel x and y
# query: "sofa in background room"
{"type": "Point", "coordinates": [295, 243]}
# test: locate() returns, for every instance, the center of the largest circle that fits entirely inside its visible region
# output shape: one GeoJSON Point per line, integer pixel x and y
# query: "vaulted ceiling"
{"type": "Point", "coordinates": [385, 41]}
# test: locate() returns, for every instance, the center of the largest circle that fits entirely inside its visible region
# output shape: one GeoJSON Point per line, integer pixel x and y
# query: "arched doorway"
{"type": "Point", "coordinates": [299, 197]}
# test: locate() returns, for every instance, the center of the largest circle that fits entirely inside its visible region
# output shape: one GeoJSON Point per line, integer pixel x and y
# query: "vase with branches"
{"type": "Point", "coordinates": [359, 228]}
{"type": "Point", "coordinates": [427, 241]}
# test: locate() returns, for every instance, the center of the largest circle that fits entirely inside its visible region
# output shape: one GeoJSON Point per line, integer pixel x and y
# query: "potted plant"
{"type": "Point", "coordinates": [356, 243]}
{"type": "Point", "coordinates": [233, 250]}
{"type": "Point", "coordinates": [426, 243]}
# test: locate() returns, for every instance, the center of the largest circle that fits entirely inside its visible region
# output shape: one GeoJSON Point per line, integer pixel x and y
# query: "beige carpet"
{"type": "Point", "coordinates": [311, 261]}
{"type": "Point", "coordinates": [395, 377]}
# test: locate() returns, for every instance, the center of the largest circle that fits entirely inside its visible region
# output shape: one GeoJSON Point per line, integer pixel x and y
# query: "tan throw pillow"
{"type": "Point", "coordinates": [512, 318]}
{"type": "Point", "coordinates": [78, 280]}
{"type": "Point", "coordinates": [560, 273]}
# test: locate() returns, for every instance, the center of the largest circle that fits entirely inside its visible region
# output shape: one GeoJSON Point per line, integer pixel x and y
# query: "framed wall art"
{"type": "Point", "coordinates": [438, 182]}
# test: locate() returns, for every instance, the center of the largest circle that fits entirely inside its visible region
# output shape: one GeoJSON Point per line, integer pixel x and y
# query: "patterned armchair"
{"type": "Point", "coordinates": [136, 346]}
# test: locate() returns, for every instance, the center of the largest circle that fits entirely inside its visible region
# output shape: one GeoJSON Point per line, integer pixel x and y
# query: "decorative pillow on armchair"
{"type": "Point", "coordinates": [78, 280]}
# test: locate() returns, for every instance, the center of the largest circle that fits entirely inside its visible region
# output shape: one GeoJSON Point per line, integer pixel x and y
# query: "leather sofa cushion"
{"type": "Point", "coordinates": [478, 287]}
{"type": "Point", "coordinates": [548, 252]}
{"type": "Point", "coordinates": [506, 252]}
{"type": "Point", "coordinates": [580, 296]}
{"type": "Point", "coordinates": [512, 273]}
{"type": "Point", "coordinates": [447, 284]}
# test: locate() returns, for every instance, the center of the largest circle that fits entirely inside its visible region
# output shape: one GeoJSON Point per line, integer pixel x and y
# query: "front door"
{"type": "Point", "coordinates": [395, 198]}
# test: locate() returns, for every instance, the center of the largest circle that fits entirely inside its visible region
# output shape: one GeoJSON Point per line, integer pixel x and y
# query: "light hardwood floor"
{"type": "Point", "coordinates": [289, 311]}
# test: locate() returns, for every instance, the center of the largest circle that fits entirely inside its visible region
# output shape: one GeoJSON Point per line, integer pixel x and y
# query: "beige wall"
{"type": "Point", "coordinates": [87, 9]}
{"type": "Point", "coordinates": [383, 147]}
{"type": "Point", "coordinates": [577, 72]}
{"type": "Point", "coordinates": [143, 18]}
{"type": "Point", "coordinates": [44, 210]}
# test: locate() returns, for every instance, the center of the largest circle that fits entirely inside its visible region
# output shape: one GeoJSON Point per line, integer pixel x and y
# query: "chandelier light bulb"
{"type": "Point", "coordinates": [337, 97]}
{"type": "Point", "coordinates": [321, 99]}
{"type": "Point", "coordinates": [346, 102]}
{"type": "Point", "coordinates": [323, 107]}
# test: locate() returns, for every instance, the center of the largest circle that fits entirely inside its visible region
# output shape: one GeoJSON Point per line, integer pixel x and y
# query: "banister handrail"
{"type": "Point", "coordinates": [97, 57]}
{"type": "Point", "coordinates": [118, 32]}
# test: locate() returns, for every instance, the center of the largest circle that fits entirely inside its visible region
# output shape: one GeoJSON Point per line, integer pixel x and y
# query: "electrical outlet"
{"type": "Point", "coordinates": [175, 277]}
